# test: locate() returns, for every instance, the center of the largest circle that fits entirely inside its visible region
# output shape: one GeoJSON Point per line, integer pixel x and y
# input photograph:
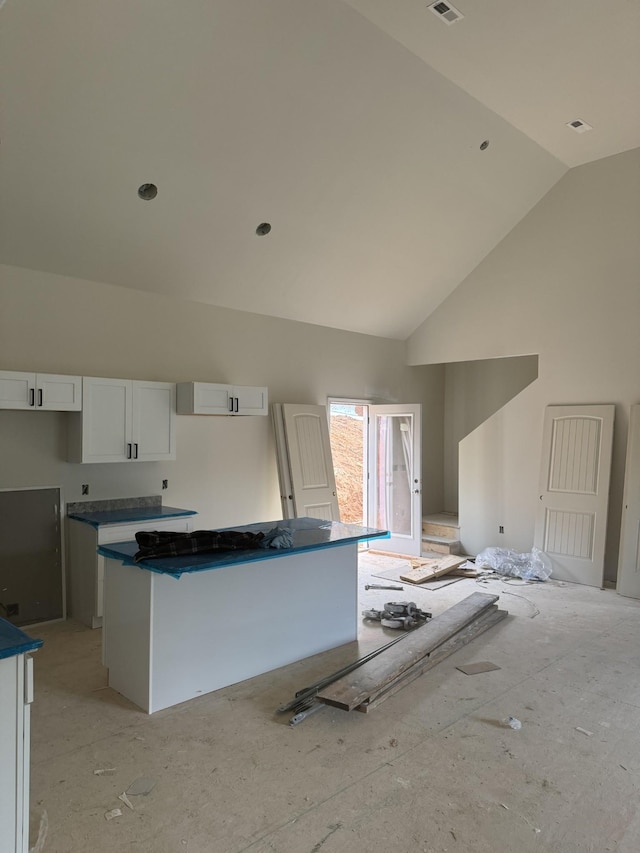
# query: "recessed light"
{"type": "Point", "coordinates": [579, 126]}
{"type": "Point", "coordinates": [263, 229]}
{"type": "Point", "coordinates": [147, 192]}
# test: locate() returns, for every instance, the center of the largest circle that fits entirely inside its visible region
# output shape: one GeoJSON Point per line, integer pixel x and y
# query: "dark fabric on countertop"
{"type": "Point", "coordinates": [165, 543]}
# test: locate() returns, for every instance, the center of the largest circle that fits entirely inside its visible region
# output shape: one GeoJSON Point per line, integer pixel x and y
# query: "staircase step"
{"type": "Point", "coordinates": [449, 531]}
{"type": "Point", "coordinates": [441, 544]}
{"type": "Point", "coordinates": [441, 524]}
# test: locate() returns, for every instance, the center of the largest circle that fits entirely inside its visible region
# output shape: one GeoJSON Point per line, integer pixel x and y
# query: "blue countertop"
{"type": "Point", "coordinates": [14, 642]}
{"type": "Point", "coordinates": [131, 515]}
{"type": "Point", "coordinates": [309, 534]}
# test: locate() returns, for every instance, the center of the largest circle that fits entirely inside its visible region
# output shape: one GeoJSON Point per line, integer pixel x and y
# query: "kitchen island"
{"type": "Point", "coordinates": [178, 627]}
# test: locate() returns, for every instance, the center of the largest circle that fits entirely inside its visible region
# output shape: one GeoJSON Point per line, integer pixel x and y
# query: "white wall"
{"type": "Point", "coordinates": [565, 284]}
{"type": "Point", "coordinates": [225, 467]}
{"type": "Point", "coordinates": [474, 390]}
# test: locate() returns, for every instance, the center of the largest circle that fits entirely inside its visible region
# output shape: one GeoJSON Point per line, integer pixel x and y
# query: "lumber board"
{"type": "Point", "coordinates": [462, 638]}
{"type": "Point", "coordinates": [432, 569]}
{"type": "Point", "coordinates": [410, 557]}
{"type": "Point", "coordinates": [351, 690]}
{"type": "Point", "coordinates": [464, 573]}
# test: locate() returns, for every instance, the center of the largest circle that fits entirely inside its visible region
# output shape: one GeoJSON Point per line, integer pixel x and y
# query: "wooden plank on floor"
{"type": "Point", "coordinates": [432, 569]}
{"type": "Point", "coordinates": [411, 558]}
{"type": "Point", "coordinates": [355, 688]}
{"type": "Point", "coordinates": [478, 626]}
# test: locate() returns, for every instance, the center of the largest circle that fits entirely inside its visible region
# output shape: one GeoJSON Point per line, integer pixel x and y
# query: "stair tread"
{"type": "Point", "coordinates": [447, 518]}
{"type": "Point", "coordinates": [443, 540]}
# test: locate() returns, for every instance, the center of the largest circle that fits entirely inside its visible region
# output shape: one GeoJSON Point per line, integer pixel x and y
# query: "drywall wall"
{"type": "Point", "coordinates": [565, 284]}
{"type": "Point", "coordinates": [474, 390]}
{"type": "Point", "coordinates": [225, 467]}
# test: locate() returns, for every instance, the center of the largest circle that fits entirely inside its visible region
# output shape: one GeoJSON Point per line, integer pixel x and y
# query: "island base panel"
{"type": "Point", "coordinates": [168, 640]}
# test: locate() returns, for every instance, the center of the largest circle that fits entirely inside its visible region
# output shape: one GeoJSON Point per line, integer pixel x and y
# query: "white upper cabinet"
{"type": "Point", "coordinates": [40, 391]}
{"type": "Point", "coordinates": [208, 398]}
{"type": "Point", "coordinates": [250, 400]}
{"type": "Point", "coordinates": [124, 420]}
{"type": "Point", "coordinates": [154, 421]}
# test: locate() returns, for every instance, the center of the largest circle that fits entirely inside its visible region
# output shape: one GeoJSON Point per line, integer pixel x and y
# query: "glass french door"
{"type": "Point", "coordinates": [395, 493]}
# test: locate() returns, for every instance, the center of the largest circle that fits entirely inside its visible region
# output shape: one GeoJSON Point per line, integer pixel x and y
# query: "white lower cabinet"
{"type": "Point", "coordinates": [209, 398]}
{"type": "Point", "coordinates": [40, 391]}
{"type": "Point", "coordinates": [16, 695]}
{"type": "Point", "coordinates": [124, 420]}
{"type": "Point", "coordinates": [85, 569]}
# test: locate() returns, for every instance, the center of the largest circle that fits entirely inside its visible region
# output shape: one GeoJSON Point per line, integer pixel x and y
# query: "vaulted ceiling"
{"type": "Point", "coordinates": [353, 128]}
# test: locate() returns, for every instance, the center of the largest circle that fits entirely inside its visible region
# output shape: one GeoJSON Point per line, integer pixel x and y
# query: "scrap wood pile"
{"type": "Point", "coordinates": [425, 569]}
{"type": "Point", "coordinates": [365, 684]}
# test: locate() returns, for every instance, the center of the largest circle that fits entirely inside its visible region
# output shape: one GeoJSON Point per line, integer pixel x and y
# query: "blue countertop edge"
{"type": "Point", "coordinates": [130, 515]}
{"type": "Point", "coordinates": [306, 528]}
{"type": "Point", "coordinates": [14, 642]}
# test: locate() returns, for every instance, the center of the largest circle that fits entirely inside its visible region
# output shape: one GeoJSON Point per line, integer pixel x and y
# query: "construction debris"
{"type": "Point", "coordinates": [423, 648]}
{"type": "Point", "coordinates": [142, 787]}
{"type": "Point", "coordinates": [477, 668]}
{"type": "Point", "coordinates": [113, 813]}
{"type": "Point", "coordinates": [398, 614]}
{"type": "Point", "coordinates": [433, 568]}
{"type": "Point", "coordinates": [304, 702]}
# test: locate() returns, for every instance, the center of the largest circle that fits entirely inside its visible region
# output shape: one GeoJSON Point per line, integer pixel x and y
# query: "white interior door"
{"type": "Point", "coordinates": [302, 435]}
{"type": "Point", "coordinates": [629, 561]}
{"type": "Point", "coordinates": [395, 493]}
{"type": "Point", "coordinates": [571, 520]}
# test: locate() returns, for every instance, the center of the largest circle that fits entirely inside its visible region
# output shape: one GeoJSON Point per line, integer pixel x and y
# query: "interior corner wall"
{"type": "Point", "coordinates": [475, 390]}
{"type": "Point", "coordinates": [565, 284]}
{"type": "Point", "coordinates": [225, 467]}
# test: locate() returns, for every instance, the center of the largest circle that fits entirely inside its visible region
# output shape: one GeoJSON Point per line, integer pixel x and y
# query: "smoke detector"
{"type": "Point", "coordinates": [579, 126]}
{"type": "Point", "coordinates": [446, 12]}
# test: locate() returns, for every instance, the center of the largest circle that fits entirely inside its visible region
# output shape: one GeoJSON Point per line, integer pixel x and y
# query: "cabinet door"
{"type": "Point", "coordinates": [204, 398]}
{"type": "Point", "coordinates": [17, 390]}
{"type": "Point", "coordinates": [153, 432]}
{"type": "Point", "coordinates": [106, 420]}
{"type": "Point", "coordinates": [58, 393]}
{"type": "Point", "coordinates": [12, 743]}
{"type": "Point", "coordinates": [250, 400]}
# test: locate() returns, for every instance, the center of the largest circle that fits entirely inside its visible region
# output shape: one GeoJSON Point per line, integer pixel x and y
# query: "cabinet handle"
{"type": "Point", "coordinates": [128, 451]}
{"type": "Point", "coordinates": [237, 404]}
{"type": "Point", "coordinates": [231, 404]}
{"type": "Point", "coordinates": [136, 450]}
{"type": "Point", "coordinates": [32, 396]}
{"type": "Point", "coordinates": [40, 397]}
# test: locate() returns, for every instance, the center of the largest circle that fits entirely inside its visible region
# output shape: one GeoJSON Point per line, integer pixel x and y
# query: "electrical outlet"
{"type": "Point", "coordinates": [13, 609]}
{"type": "Point", "coordinates": [165, 484]}
{"type": "Point", "coordinates": [85, 488]}
{"type": "Point", "coordinates": [501, 529]}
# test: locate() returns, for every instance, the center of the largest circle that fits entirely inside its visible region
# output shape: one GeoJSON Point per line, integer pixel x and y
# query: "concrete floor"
{"type": "Point", "coordinates": [432, 769]}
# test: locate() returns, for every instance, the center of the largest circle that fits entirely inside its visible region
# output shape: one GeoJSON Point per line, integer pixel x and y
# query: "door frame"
{"type": "Point", "coordinates": [410, 544]}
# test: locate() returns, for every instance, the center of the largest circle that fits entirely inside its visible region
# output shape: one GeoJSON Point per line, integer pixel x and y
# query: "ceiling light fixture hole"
{"type": "Point", "coordinates": [484, 145]}
{"type": "Point", "coordinates": [263, 229]}
{"type": "Point", "coordinates": [147, 192]}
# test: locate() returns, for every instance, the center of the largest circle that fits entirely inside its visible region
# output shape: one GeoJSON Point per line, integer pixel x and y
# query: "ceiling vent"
{"type": "Point", "coordinates": [446, 12]}
{"type": "Point", "coordinates": [579, 126]}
